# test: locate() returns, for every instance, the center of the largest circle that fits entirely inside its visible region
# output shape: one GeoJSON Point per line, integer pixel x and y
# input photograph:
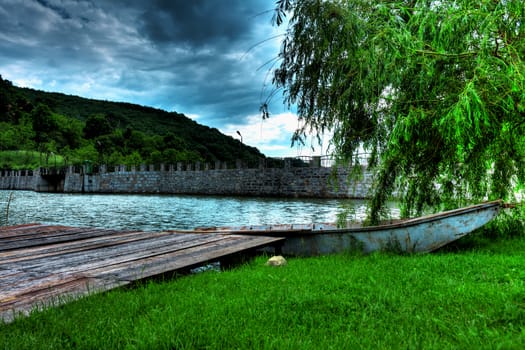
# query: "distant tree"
{"type": "Point", "coordinates": [433, 89]}
{"type": "Point", "coordinates": [189, 156]}
{"type": "Point", "coordinates": [155, 157]}
{"type": "Point", "coordinates": [44, 125]}
{"type": "Point", "coordinates": [83, 153]}
{"type": "Point", "coordinates": [97, 125]}
{"type": "Point", "coordinates": [170, 140]}
{"type": "Point", "coordinates": [68, 132]}
{"type": "Point", "coordinates": [135, 140]}
{"type": "Point", "coordinates": [24, 134]}
{"type": "Point", "coordinates": [115, 158]}
{"type": "Point", "coordinates": [7, 137]}
{"type": "Point", "coordinates": [152, 144]}
{"type": "Point", "coordinates": [5, 99]}
{"type": "Point", "coordinates": [134, 159]}
{"type": "Point", "coordinates": [104, 146]}
{"type": "Point", "coordinates": [170, 156]}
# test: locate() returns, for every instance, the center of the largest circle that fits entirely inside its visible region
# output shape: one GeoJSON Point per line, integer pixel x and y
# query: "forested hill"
{"type": "Point", "coordinates": [79, 129]}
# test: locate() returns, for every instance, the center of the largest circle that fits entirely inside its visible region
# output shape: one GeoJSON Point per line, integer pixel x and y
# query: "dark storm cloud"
{"type": "Point", "coordinates": [57, 9]}
{"type": "Point", "coordinates": [193, 56]}
{"type": "Point", "coordinates": [199, 22]}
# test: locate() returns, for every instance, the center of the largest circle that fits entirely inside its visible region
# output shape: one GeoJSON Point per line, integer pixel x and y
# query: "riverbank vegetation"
{"type": "Point", "coordinates": [470, 295]}
{"type": "Point", "coordinates": [69, 129]}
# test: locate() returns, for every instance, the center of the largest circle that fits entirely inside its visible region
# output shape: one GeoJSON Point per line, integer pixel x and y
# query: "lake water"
{"type": "Point", "coordinates": [162, 212]}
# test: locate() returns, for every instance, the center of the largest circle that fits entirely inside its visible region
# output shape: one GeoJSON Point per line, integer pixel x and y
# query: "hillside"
{"type": "Point", "coordinates": [108, 132]}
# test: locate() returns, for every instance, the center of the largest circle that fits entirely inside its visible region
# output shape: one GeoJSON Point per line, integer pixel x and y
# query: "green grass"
{"type": "Point", "coordinates": [24, 160]}
{"type": "Point", "coordinates": [469, 299]}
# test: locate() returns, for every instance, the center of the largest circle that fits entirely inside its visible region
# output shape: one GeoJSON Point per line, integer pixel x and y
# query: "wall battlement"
{"type": "Point", "coordinates": [17, 180]}
{"type": "Point", "coordinates": [197, 179]}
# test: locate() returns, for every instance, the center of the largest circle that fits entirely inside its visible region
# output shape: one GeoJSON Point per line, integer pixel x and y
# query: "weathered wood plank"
{"type": "Point", "coordinates": [24, 284]}
{"type": "Point", "coordinates": [73, 246]}
{"type": "Point", "coordinates": [37, 231]}
{"type": "Point", "coordinates": [180, 259]}
{"type": "Point", "coordinates": [49, 235]}
{"type": "Point", "coordinates": [132, 251]}
{"type": "Point", "coordinates": [6, 230]}
{"type": "Point", "coordinates": [66, 289]}
{"type": "Point", "coordinates": [55, 263]}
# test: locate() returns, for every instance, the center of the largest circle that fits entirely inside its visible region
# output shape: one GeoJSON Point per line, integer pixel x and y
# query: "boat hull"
{"type": "Point", "coordinates": [414, 236]}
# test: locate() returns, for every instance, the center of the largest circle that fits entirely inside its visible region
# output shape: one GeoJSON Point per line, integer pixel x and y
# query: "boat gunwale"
{"type": "Point", "coordinates": [311, 229]}
{"type": "Point", "coordinates": [427, 218]}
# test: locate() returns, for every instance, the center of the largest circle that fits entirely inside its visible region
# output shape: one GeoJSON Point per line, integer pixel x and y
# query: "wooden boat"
{"type": "Point", "coordinates": [419, 235]}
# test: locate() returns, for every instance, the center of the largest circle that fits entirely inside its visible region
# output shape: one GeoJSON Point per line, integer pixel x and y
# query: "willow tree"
{"type": "Point", "coordinates": [433, 90]}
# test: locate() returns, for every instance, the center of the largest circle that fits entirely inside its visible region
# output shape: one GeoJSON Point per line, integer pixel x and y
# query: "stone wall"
{"type": "Point", "coordinates": [17, 180]}
{"type": "Point", "coordinates": [288, 182]}
{"type": "Point", "coordinates": [320, 182]}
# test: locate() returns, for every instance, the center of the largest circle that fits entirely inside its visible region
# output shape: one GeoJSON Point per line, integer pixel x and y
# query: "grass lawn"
{"type": "Point", "coordinates": [473, 298]}
{"type": "Point", "coordinates": [15, 160]}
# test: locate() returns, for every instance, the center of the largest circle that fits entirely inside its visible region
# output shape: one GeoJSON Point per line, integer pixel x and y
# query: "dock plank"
{"type": "Point", "coordinates": [73, 246]}
{"type": "Point", "coordinates": [180, 259]}
{"type": "Point", "coordinates": [85, 259]}
{"type": "Point", "coordinates": [47, 265]}
{"type": "Point", "coordinates": [63, 290]}
{"type": "Point", "coordinates": [44, 235]}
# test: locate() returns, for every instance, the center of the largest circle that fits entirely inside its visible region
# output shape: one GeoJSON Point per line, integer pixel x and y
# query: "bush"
{"type": "Point", "coordinates": [508, 224]}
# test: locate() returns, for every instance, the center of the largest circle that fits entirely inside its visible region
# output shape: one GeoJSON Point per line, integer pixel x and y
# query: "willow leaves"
{"type": "Point", "coordinates": [434, 89]}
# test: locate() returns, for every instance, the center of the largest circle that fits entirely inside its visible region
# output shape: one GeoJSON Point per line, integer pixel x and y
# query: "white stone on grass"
{"type": "Point", "coordinates": [278, 260]}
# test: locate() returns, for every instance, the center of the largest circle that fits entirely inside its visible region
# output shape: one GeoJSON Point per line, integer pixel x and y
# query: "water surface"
{"type": "Point", "coordinates": [162, 212]}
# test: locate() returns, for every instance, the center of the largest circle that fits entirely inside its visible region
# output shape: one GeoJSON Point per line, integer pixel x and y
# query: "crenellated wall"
{"type": "Point", "coordinates": [288, 181]}
{"type": "Point", "coordinates": [17, 180]}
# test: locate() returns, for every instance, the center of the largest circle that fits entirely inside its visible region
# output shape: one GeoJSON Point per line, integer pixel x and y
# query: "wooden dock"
{"type": "Point", "coordinates": [42, 265]}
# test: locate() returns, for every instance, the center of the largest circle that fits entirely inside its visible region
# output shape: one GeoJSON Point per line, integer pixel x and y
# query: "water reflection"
{"type": "Point", "coordinates": [160, 212]}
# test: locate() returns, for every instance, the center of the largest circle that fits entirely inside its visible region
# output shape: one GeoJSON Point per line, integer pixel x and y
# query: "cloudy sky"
{"type": "Point", "coordinates": [204, 58]}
